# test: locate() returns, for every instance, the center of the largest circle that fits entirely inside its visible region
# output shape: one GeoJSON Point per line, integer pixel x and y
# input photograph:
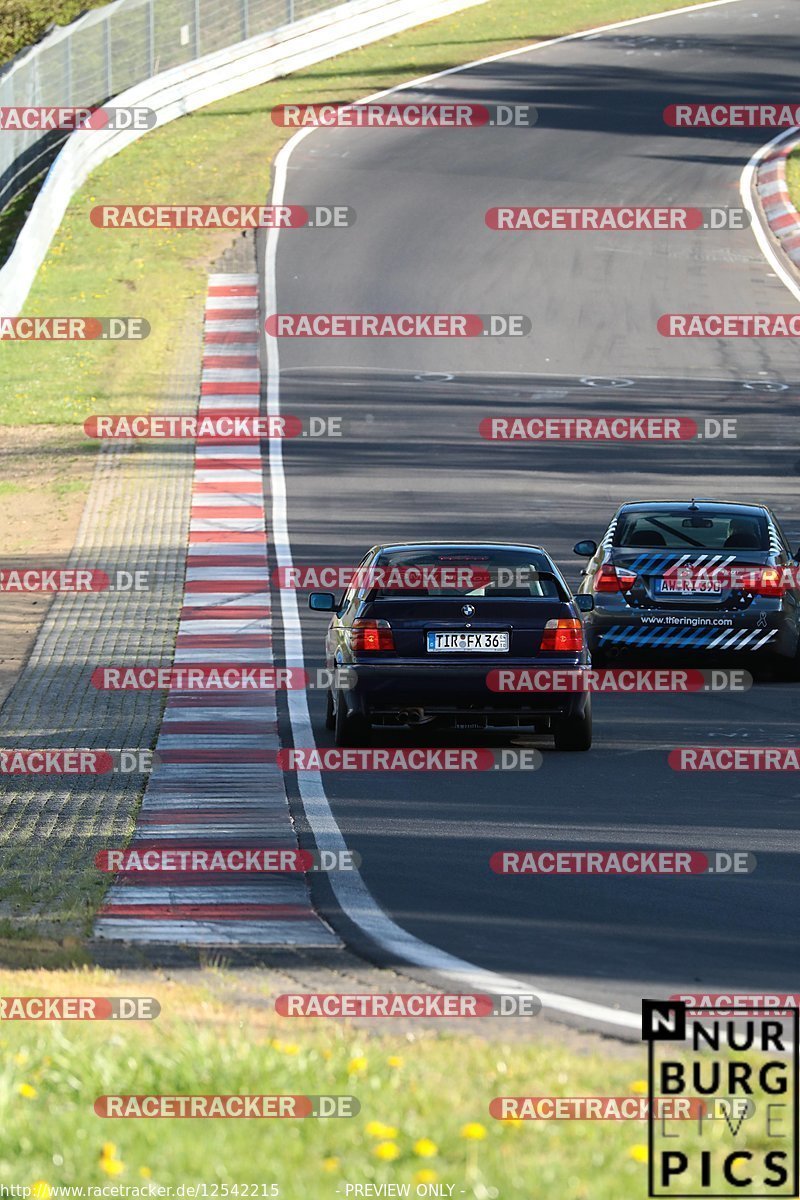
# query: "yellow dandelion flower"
{"type": "Point", "coordinates": [145, 1173]}
{"type": "Point", "coordinates": [40, 1190]}
{"type": "Point", "coordinates": [357, 1065]}
{"type": "Point", "coordinates": [426, 1175]}
{"type": "Point", "coordinates": [112, 1166]}
{"type": "Point", "coordinates": [109, 1150]}
{"type": "Point", "coordinates": [473, 1131]}
{"type": "Point", "coordinates": [330, 1164]}
{"type": "Point", "coordinates": [425, 1148]}
{"type": "Point", "coordinates": [26, 1090]}
{"type": "Point", "coordinates": [286, 1047]}
{"type": "Point", "coordinates": [639, 1086]}
{"type": "Point", "coordinates": [386, 1151]}
{"type": "Point", "coordinates": [377, 1129]}
{"type": "Point", "coordinates": [638, 1153]}
{"type": "Point", "coordinates": [395, 1061]}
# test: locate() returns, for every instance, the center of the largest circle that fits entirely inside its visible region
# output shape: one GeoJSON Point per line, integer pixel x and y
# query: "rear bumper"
{"type": "Point", "coordinates": [691, 633]}
{"type": "Point", "coordinates": [454, 689]}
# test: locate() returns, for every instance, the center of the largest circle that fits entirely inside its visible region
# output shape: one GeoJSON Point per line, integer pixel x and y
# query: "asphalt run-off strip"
{"type": "Point", "coordinates": [217, 783]}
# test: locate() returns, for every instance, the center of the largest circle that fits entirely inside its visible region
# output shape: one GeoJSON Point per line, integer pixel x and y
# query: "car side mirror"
{"type": "Point", "coordinates": [584, 601]}
{"type": "Point", "coordinates": [586, 549]}
{"type": "Point", "coordinates": [323, 602]}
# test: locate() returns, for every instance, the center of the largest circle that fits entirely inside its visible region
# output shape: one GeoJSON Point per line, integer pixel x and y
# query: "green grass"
{"type": "Point", "coordinates": [221, 153]}
{"type": "Point", "coordinates": [422, 1084]}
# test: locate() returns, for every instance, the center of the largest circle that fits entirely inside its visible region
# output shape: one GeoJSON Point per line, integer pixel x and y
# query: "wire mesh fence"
{"type": "Point", "coordinates": [113, 48]}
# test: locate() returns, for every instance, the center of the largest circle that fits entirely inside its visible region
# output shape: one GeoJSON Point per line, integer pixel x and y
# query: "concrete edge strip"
{"type": "Point", "coordinates": [217, 784]}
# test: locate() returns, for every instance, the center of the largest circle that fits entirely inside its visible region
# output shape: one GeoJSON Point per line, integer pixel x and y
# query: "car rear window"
{"type": "Point", "coordinates": [448, 573]}
{"type": "Point", "coordinates": [680, 529]}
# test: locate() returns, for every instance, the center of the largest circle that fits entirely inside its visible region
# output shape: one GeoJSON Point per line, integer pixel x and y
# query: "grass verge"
{"type": "Point", "coordinates": [424, 1100]}
{"type": "Point", "coordinates": [221, 153]}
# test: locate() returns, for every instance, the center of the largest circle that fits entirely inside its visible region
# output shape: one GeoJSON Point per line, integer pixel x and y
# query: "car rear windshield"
{"type": "Point", "coordinates": [681, 529]}
{"type": "Point", "coordinates": [479, 572]}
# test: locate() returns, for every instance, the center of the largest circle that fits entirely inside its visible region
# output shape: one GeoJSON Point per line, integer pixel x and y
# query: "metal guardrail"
{"type": "Point", "coordinates": [109, 50]}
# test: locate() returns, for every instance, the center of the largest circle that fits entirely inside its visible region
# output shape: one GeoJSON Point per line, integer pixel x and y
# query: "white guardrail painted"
{"type": "Point", "coordinates": [181, 90]}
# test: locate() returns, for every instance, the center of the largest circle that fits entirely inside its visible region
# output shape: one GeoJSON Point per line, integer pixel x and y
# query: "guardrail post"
{"type": "Point", "coordinates": [245, 19]}
{"type": "Point", "coordinates": [290, 11]}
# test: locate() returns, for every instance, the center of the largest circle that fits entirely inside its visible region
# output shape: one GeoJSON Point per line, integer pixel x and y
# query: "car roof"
{"type": "Point", "coordinates": [393, 546]}
{"type": "Point", "coordinates": [701, 503]}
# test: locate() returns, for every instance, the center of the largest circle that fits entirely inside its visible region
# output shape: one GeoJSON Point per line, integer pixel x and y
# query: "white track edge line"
{"type": "Point", "coordinates": [349, 888]}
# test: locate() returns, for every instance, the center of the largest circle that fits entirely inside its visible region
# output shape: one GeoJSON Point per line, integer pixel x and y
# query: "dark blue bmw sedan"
{"type": "Point", "coordinates": [423, 629]}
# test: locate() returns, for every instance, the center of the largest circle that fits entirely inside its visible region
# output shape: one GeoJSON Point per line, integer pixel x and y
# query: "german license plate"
{"type": "Point", "coordinates": [454, 641]}
{"type": "Point", "coordinates": [689, 587]}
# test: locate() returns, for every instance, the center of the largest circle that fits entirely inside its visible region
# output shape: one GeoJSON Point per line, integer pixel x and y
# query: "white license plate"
{"type": "Point", "coordinates": [690, 587]}
{"type": "Point", "coordinates": [454, 641]}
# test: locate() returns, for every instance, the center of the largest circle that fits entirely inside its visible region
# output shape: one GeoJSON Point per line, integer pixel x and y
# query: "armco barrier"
{"type": "Point", "coordinates": [182, 89]}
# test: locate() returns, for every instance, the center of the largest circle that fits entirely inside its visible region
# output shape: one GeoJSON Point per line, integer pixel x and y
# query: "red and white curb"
{"type": "Point", "coordinates": [217, 784]}
{"type": "Point", "coordinates": [781, 215]}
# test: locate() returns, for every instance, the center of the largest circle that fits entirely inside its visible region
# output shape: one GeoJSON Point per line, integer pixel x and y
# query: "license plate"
{"type": "Point", "coordinates": [454, 641]}
{"type": "Point", "coordinates": [689, 587]}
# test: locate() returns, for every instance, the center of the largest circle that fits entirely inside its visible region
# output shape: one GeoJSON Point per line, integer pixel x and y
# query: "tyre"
{"type": "Point", "coordinates": [573, 733]}
{"type": "Point", "coordinates": [330, 715]}
{"type": "Point", "coordinates": [349, 730]}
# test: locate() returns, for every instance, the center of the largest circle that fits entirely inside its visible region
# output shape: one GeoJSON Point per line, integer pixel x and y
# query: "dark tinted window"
{"type": "Point", "coordinates": [679, 529]}
{"type": "Point", "coordinates": [429, 572]}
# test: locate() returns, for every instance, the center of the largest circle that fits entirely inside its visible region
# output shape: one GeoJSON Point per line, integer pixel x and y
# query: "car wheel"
{"type": "Point", "coordinates": [349, 730]}
{"type": "Point", "coordinates": [330, 715]}
{"type": "Point", "coordinates": [573, 733]}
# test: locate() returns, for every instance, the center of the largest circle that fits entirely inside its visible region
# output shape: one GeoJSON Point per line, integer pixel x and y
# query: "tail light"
{"type": "Point", "coordinates": [366, 636]}
{"type": "Point", "coordinates": [769, 583]}
{"type": "Point", "coordinates": [611, 579]}
{"type": "Point", "coordinates": [565, 636]}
